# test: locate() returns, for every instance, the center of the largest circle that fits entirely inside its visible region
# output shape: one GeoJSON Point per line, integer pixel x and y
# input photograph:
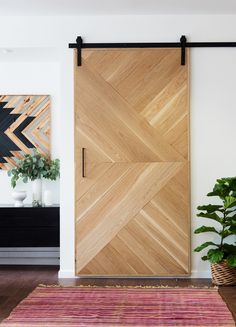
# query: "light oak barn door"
{"type": "Point", "coordinates": [132, 206]}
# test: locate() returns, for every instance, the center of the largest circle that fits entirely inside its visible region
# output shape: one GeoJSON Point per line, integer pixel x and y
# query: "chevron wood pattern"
{"type": "Point", "coordinates": [132, 207]}
{"type": "Point", "coordinates": [24, 125]}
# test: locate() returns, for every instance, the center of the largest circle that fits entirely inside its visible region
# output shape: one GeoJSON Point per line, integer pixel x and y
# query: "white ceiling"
{"type": "Point", "coordinates": [112, 7]}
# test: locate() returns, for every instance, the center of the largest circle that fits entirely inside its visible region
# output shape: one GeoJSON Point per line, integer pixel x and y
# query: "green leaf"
{"type": "Point", "coordinates": [231, 260]}
{"type": "Point", "coordinates": [230, 220]}
{"type": "Point", "coordinates": [204, 245]}
{"type": "Point", "coordinates": [226, 233]}
{"type": "Point", "coordinates": [204, 258]}
{"type": "Point", "coordinates": [211, 208]}
{"type": "Point", "coordinates": [233, 229]}
{"type": "Point", "coordinates": [224, 187]}
{"type": "Point", "coordinates": [41, 164]}
{"type": "Point", "coordinates": [229, 248]}
{"type": "Point", "coordinates": [229, 202]}
{"type": "Point", "coordinates": [215, 255]}
{"type": "Point", "coordinates": [231, 209]}
{"type": "Point", "coordinates": [204, 229]}
{"type": "Point", "coordinates": [213, 216]}
{"type": "Point", "coordinates": [34, 166]}
{"type": "Point", "coordinates": [214, 193]}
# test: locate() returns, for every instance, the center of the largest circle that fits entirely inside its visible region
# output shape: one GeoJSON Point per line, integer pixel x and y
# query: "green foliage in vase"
{"type": "Point", "coordinates": [34, 166]}
{"type": "Point", "coordinates": [225, 215]}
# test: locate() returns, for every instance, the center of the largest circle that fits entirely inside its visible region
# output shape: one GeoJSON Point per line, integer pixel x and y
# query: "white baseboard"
{"type": "Point", "coordinates": [201, 274]}
{"type": "Point", "coordinates": [30, 256]}
{"type": "Point", "coordinates": [66, 274]}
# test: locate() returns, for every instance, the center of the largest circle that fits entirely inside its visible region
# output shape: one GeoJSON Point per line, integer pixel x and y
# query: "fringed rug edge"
{"type": "Point", "coordinates": [128, 286]}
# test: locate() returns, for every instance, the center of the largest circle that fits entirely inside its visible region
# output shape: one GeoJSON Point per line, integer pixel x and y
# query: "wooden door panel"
{"type": "Point", "coordinates": [128, 136]}
{"type": "Point", "coordinates": [98, 187]}
{"type": "Point", "coordinates": [144, 253]}
{"type": "Point", "coordinates": [135, 74]}
{"type": "Point", "coordinates": [121, 203]}
{"type": "Point", "coordinates": [173, 202]}
{"type": "Point", "coordinates": [150, 234]}
{"type": "Point", "coordinates": [94, 172]}
{"type": "Point", "coordinates": [131, 115]}
{"type": "Point", "coordinates": [162, 94]}
{"type": "Point", "coordinates": [95, 153]}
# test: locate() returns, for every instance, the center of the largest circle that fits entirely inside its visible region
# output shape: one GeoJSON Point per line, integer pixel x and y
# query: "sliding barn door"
{"type": "Point", "coordinates": [132, 163]}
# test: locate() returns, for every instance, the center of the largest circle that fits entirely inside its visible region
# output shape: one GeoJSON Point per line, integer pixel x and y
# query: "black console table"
{"type": "Point", "coordinates": [29, 226]}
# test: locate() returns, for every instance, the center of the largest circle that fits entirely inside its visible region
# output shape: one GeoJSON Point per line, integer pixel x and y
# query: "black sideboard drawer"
{"type": "Point", "coordinates": [29, 227]}
{"type": "Point", "coordinates": [29, 216]}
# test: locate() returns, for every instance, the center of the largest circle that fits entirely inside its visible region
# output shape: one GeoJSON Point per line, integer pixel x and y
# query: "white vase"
{"type": "Point", "coordinates": [47, 198]}
{"type": "Point", "coordinates": [19, 197]}
{"type": "Point", "coordinates": [37, 192]}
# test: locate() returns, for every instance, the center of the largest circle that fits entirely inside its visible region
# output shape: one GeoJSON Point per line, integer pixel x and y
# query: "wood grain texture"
{"type": "Point", "coordinates": [25, 124]}
{"type": "Point", "coordinates": [132, 209]}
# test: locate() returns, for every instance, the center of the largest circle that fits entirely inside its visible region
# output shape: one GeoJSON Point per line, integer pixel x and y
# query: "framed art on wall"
{"type": "Point", "coordinates": [24, 126]}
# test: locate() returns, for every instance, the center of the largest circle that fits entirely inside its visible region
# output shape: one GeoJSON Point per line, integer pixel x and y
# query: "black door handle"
{"type": "Point", "coordinates": [83, 162]}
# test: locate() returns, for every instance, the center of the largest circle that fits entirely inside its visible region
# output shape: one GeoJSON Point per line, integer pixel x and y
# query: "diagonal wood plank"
{"type": "Point", "coordinates": [177, 209]}
{"type": "Point", "coordinates": [177, 136]}
{"type": "Point", "coordinates": [168, 109]}
{"type": "Point", "coordinates": [164, 243]}
{"type": "Point", "coordinates": [95, 153]}
{"type": "Point", "coordinates": [131, 253]}
{"type": "Point", "coordinates": [128, 195]}
{"type": "Point", "coordinates": [150, 247]}
{"type": "Point", "coordinates": [96, 172]}
{"type": "Point", "coordinates": [166, 95]}
{"type": "Point", "coordinates": [107, 261]}
{"type": "Point", "coordinates": [137, 75]}
{"type": "Point", "coordinates": [128, 137]}
{"type": "Point", "coordinates": [102, 178]}
{"type": "Point", "coordinates": [163, 235]}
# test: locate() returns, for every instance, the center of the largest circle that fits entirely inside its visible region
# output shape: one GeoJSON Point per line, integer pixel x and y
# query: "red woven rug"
{"type": "Point", "coordinates": [89, 307]}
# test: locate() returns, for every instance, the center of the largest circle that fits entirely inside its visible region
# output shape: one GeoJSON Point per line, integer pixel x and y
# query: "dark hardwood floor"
{"type": "Point", "coordinates": [16, 282]}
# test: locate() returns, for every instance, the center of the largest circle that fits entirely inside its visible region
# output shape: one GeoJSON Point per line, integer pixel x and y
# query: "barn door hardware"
{"type": "Point", "coordinates": [79, 43]}
{"type": "Point", "coordinates": [183, 44]}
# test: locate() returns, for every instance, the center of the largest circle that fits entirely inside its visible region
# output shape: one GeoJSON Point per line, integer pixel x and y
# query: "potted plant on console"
{"type": "Point", "coordinates": [222, 254]}
{"type": "Point", "coordinates": [35, 167]}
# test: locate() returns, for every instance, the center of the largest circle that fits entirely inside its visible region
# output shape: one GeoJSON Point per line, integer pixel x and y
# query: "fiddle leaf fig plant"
{"type": "Point", "coordinates": [34, 166]}
{"type": "Point", "coordinates": [224, 214]}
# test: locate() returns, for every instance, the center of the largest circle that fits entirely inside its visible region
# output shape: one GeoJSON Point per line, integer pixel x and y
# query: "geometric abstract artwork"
{"type": "Point", "coordinates": [24, 125]}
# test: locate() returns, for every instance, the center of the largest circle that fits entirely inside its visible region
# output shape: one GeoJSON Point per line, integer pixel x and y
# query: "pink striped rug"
{"type": "Point", "coordinates": [89, 307]}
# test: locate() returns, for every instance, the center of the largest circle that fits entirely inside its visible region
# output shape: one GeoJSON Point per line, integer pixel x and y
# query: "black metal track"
{"type": "Point", "coordinates": [155, 45]}
{"type": "Point", "coordinates": [183, 44]}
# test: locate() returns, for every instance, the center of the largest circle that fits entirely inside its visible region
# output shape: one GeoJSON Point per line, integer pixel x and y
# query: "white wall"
{"type": "Point", "coordinates": [19, 76]}
{"type": "Point", "coordinates": [213, 79]}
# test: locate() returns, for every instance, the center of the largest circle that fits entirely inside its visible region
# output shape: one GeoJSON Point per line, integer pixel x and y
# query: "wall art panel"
{"type": "Point", "coordinates": [24, 126]}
